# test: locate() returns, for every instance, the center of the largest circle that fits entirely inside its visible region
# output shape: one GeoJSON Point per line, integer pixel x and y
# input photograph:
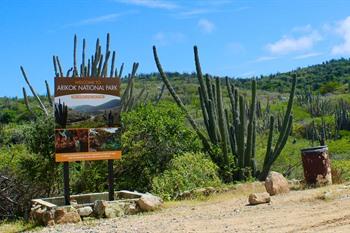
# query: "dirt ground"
{"type": "Point", "coordinates": [325, 209]}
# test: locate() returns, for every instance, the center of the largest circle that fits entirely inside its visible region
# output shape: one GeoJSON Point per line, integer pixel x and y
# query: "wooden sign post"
{"type": "Point", "coordinates": [87, 123]}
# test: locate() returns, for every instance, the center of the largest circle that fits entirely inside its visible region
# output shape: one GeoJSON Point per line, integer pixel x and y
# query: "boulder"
{"type": "Point", "coordinates": [37, 214]}
{"type": "Point", "coordinates": [125, 194]}
{"type": "Point", "coordinates": [66, 215]}
{"type": "Point", "coordinates": [275, 183]}
{"type": "Point", "coordinates": [85, 211]}
{"type": "Point", "coordinates": [99, 208]}
{"type": "Point", "coordinates": [48, 218]}
{"type": "Point", "coordinates": [114, 210]}
{"type": "Point", "coordinates": [131, 208]}
{"type": "Point", "coordinates": [149, 202]}
{"type": "Point", "coordinates": [259, 198]}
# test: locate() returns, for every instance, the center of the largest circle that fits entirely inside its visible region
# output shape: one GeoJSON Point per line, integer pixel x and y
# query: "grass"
{"type": "Point", "coordinates": [233, 191]}
{"type": "Point", "coordinates": [17, 226]}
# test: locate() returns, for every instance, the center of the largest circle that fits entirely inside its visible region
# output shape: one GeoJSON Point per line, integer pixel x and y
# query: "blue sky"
{"type": "Point", "coordinates": [235, 38]}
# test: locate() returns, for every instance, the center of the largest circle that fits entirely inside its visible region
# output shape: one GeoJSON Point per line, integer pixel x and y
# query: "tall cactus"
{"type": "Point", "coordinates": [273, 153]}
{"type": "Point", "coordinates": [234, 130]}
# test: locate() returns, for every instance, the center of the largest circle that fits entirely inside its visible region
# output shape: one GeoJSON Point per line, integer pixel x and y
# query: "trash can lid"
{"type": "Point", "coordinates": [315, 149]}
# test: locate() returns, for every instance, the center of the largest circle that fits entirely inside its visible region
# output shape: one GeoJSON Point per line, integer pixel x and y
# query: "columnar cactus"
{"type": "Point", "coordinates": [233, 130]}
{"type": "Point", "coordinates": [273, 153]}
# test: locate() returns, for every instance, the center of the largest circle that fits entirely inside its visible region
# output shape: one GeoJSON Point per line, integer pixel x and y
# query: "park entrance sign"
{"type": "Point", "coordinates": [87, 116]}
{"type": "Point", "coordinates": [87, 122]}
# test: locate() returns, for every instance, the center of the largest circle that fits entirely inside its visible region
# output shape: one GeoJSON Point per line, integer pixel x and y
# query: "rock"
{"type": "Point", "coordinates": [209, 191]}
{"type": "Point", "coordinates": [185, 195]}
{"type": "Point", "coordinates": [99, 208]}
{"type": "Point", "coordinates": [275, 183]}
{"type": "Point", "coordinates": [48, 218]}
{"type": "Point", "coordinates": [114, 210]}
{"type": "Point", "coordinates": [66, 215]}
{"type": "Point", "coordinates": [131, 208]}
{"type": "Point", "coordinates": [149, 202]}
{"type": "Point", "coordinates": [259, 198]}
{"type": "Point", "coordinates": [36, 214]}
{"type": "Point", "coordinates": [124, 194]}
{"type": "Point", "coordinates": [199, 191]}
{"type": "Point", "coordinates": [85, 211]}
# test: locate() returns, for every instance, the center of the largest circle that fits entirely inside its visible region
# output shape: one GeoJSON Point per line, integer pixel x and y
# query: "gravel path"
{"type": "Point", "coordinates": [324, 209]}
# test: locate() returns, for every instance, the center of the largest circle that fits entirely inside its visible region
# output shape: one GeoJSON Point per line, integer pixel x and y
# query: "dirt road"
{"type": "Point", "coordinates": [324, 209]}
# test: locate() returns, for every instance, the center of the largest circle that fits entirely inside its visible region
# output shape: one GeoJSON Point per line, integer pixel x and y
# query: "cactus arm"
{"type": "Point", "coordinates": [121, 71]}
{"type": "Point", "coordinates": [222, 122]}
{"type": "Point", "coordinates": [181, 105]}
{"type": "Point", "coordinates": [26, 101]}
{"type": "Point", "coordinates": [112, 65]}
{"type": "Point", "coordinates": [99, 69]}
{"type": "Point", "coordinates": [241, 133]}
{"type": "Point", "coordinates": [59, 66]}
{"type": "Point", "coordinates": [82, 71]}
{"type": "Point", "coordinates": [105, 65]}
{"type": "Point", "coordinates": [286, 117]}
{"type": "Point", "coordinates": [48, 93]}
{"type": "Point", "coordinates": [55, 66]}
{"type": "Point", "coordinates": [75, 69]}
{"type": "Point", "coordinates": [250, 134]}
{"type": "Point", "coordinates": [42, 106]}
{"type": "Point", "coordinates": [204, 112]}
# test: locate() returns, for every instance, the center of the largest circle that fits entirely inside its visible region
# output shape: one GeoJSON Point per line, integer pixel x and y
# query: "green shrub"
{"type": "Point", "coordinates": [89, 176]}
{"type": "Point", "coordinates": [39, 167]}
{"type": "Point", "coordinates": [340, 170]}
{"type": "Point", "coordinates": [186, 172]}
{"type": "Point", "coordinates": [329, 87]}
{"type": "Point", "coordinates": [153, 135]}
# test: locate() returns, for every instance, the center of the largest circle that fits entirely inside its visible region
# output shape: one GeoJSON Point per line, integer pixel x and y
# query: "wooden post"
{"type": "Point", "coordinates": [66, 183]}
{"type": "Point", "coordinates": [110, 180]}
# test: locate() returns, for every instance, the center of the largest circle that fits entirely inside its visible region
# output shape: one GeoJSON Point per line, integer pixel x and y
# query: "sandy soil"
{"type": "Point", "coordinates": [324, 209]}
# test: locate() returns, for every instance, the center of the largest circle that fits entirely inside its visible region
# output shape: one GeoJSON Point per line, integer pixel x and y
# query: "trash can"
{"type": "Point", "coordinates": [317, 165]}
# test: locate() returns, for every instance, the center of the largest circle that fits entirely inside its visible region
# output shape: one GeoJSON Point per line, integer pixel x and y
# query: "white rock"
{"type": "Point", "coordinates": [275, 183]}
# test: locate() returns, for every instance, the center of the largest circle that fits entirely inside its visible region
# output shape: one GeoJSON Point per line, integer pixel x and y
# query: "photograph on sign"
{"type": "Point", "coordinates": [87, 118]}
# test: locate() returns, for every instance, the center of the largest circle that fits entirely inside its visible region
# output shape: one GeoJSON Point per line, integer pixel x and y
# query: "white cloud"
{"type": "Point", "coordinates": [265, 58]}
{"type": "Point", "coordinates": [307, 55]}
{"type": "Point", "coordinates": [164, 39]}
{"type": "Point", "coordinates": [151, 3]}
{"type": "Point", "coordinates": [303, 29]}
{"type": "Point", "coordinates": [206, 26]}
{"type": "Point", "coordinates": [99, 19]}
{"type": "Point", "coordinates": [290, 44]}
{"type": "Point", "coordinates": [343, 29]}
{"type": "Point", "coordinates": [194, 12]}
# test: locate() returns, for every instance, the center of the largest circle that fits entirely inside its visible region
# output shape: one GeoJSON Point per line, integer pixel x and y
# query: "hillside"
{"type": "Point", "coordinates": [318, 77]}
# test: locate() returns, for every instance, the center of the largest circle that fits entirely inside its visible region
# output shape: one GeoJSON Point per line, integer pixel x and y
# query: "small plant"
{"type": "Point", "coordinates": [186, 172]}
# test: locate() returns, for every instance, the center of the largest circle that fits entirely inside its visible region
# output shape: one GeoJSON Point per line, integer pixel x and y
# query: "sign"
{"type": "Point", "coordinates": [87, 119]}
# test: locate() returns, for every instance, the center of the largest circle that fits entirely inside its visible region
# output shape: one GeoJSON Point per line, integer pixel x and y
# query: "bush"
{"type": "Point", "coordinates": [186, 172]}
{"type": "Point", "coordinates": [340, 171]}
{"type": "Point", "coordinates": [153, 135]}
{"type": "Point", "coordinates": [39, 167]}
{"type": "Point", "coordinates": [329, 87]}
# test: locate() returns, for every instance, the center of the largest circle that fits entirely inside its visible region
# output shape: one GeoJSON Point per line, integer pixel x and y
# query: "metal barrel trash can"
{"type": "Point", "coordinates": [317, 165]}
